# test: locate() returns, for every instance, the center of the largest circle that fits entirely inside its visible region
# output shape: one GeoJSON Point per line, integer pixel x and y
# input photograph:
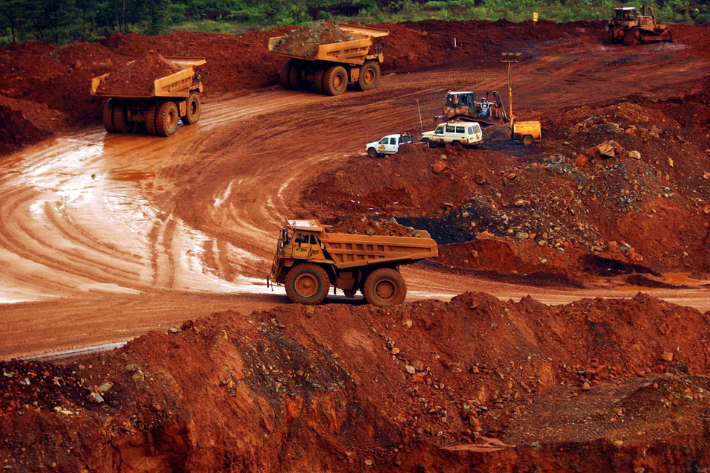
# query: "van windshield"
{"type": "Point", "coordinates": [439, 129]}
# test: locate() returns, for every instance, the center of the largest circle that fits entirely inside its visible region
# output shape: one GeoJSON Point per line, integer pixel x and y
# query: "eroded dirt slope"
{"type": "Point", "coordinates": [472, 384]}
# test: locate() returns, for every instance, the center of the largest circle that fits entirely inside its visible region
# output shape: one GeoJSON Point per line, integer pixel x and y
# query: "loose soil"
{"type": "Point", "coordinates": [304, 41]}
{"type": "Point", "coordinates": [138, 77]}
{"type": "Point", "coordinates": [469, 385]}
{"type": "Point", "coordinates": [363, 225]}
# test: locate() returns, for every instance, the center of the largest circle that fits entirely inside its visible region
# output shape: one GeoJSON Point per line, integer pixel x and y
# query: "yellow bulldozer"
{"type": "Point", "coordinates": [629, 27]}
{"type": "Point", "coordinates": [463, 106]}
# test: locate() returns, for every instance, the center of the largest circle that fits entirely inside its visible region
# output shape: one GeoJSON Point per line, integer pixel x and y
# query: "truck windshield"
{"type": "Point", "coordinates": [384, 141]}
{"type": "Point", "coordinates": [439, 130]}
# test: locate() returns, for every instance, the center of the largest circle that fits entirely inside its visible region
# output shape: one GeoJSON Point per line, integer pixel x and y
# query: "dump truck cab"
{"type": "Point", "coordinates": [309, 260]}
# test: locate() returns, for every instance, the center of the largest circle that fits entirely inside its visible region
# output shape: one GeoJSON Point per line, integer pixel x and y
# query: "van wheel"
{"type": "Point", "coordinates": [372, 152]}
{"type": "Point", "coordinates": [307, 283]}
{"type": "Point", "coordinates": [527, 140]}
{"type": "Point", "coordinates": [384, 287]}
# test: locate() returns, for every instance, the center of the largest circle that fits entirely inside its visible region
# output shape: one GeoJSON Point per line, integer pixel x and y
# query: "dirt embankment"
{"type": "Point", "coordinates": [626, 181]}
{"type": "Point", "coordinates": [453, 386]}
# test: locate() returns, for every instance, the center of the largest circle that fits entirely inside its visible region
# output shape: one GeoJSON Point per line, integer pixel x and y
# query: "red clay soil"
{"type": "Point", "coordinates": [476, 384]}
{"type": "Point", "coordinates": [137, 78]}
{"type": "Point", "coordinates": [304, 41]}
{"type": "Point", "coordinates": [25, 123]}
{"type": "Point", "coordinates": [365, 226]}
{"type": "Point", "coordinates": [645, 205]}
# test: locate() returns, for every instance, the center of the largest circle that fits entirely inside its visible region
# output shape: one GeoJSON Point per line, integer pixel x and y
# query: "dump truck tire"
{"type": "Point", "coordinates": [285, 75]}
{"type": "Point", "coordinates": [369, 76]}
{"type": "Point", "coordinates": [384, 287]}
{"type": "Point", "coordinates": [108, 116]}
{"type": "Point", "coordinates": [150, 115]}
{"type": "Point", "coordinates": [166, 121]}
{"type": "Point", "coordinates": [294, 77]}
{"type": "Point", "coordinates": [307, 283]}
{"type": "Point", "coordinates": [335, 80]}
{"type": "Point", "coordinates": [527, 140]}
{"type": "Point", "coordinates": [192, 115]}
{"type": "Point", "coordinates": [120, 119]}
{"type": "Point", "coordinates": [319, 80]}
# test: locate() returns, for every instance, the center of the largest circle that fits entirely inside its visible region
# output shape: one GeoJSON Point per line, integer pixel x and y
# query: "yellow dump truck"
{"type": "Point", "coordinates": [310, 259]}
{"type": "Point", "coordinates": [173, 97]}
{"type": "Point", "coordinates": [335, 64]}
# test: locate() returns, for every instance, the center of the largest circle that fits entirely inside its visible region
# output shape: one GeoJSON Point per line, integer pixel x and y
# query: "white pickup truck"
{"type": "Point", "coordinates": [388, 144]}
{"type": "Point", "coordinates": [454, 133]}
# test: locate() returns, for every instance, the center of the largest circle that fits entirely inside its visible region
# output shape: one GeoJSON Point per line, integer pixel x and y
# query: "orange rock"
{"type": "Point", "coordinates": [581, 161]}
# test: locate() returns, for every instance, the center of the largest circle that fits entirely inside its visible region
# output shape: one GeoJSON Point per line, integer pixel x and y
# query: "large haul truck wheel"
{"type": "Point", "coordinates": [150, 115]}
{"type": "Point", "coordinates": [120, 119]}
{"type": "Point", "coordinates": [193, 109]}
{"type": "Point", "coordinates": [166, 121]}
{"type": "Point", "coordinates": [319, 80]}
{"type": "Point", "coordinates": [335, 80]}
{"type": "Point", "coordinates": [294, 77]}
{"type": "Point", "coordinates": [307, 283]}
{"type": "Point", "coordinates": [108, 116]}
{"type": "Point", "coordinates": [285, 75]}
{"type": "Point", "coordinates": [384, 287]}
{"type": "Point", "coordinates": [369, 76]}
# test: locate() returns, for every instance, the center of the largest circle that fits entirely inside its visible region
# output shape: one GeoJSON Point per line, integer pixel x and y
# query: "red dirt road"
{"type": "Point", "coordinates": [105, 237]}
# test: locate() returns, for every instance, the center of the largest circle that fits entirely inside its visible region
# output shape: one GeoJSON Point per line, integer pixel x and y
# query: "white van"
{"type": "Point", "coordinates": [463, 133]}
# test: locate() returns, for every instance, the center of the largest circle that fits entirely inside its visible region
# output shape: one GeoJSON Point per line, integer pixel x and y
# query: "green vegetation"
{"type": "Point", "coordinates": [62, 21]}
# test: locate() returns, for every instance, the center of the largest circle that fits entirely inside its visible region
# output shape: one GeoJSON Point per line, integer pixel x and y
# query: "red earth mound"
{"type": "Point", "coordinates": [463, 385]}
{"type": "Point", "coordinates": [25, 123]}
{"type": "Point", "coordinates": [304, 41]}
{"type": "Point", "coordinates": [137, 78]}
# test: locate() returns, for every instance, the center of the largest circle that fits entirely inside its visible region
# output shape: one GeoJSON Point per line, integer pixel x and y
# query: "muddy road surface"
{"type": "Point", "coordinates": [104, 237]}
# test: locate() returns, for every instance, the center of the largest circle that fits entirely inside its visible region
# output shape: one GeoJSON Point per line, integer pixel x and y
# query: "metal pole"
{"type": "Point", "coordinates": [510, 101]}
{"type": "Point", "coordinates": [420, 116]}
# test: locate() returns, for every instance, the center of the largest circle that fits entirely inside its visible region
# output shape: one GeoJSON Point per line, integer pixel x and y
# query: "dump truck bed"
{"type": "Point", "coordinates": [175, 85]}
{"type": "Point", "coordinates": [349, 250]}
{"type": "Point", "coordinates": [349, 52]}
